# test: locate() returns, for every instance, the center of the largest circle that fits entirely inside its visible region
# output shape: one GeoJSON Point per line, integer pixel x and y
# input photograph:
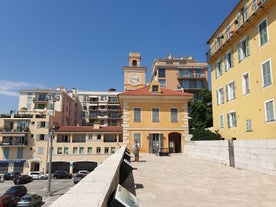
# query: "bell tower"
{"type": "Point", "coordinates": [134, 74]}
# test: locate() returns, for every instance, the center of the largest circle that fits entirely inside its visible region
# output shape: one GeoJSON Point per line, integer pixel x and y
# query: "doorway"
{"type": "Point", "coordinates": [174, 142]}
{"type": "Point", "coordinates": [156, 141]}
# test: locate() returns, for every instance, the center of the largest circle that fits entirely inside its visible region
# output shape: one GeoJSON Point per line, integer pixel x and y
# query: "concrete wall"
{"type": "Point", "coordinates": [254, 155]}
{"type": "Point", "coordinates": [96, 188]}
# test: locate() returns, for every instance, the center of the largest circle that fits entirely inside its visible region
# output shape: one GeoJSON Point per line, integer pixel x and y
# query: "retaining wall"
{"type": "Point", "coordinates": [255, 155]}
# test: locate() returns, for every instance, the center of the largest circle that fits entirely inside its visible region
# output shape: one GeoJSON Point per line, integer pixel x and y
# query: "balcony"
{"type": "Point", "coordinates": [14, 142]}
{"type": "Point", "coordinates": [191, 76]}
{"type": "Point", "coordinates": [243, 20]}
{"type": "Point", "coordinates": [40, 99]}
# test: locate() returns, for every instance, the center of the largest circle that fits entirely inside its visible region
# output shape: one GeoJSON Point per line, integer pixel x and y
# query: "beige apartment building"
{"type": "Point", "coordinates": [180, 73]}
{"type": "Point", "coordinates": [243, 66]}
{"type": "Point", "coordinates": [25, 136]}
{"type": "Point", "coordinates": [100, 107]}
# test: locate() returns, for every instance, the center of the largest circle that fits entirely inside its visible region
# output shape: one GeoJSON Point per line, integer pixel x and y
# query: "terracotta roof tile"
{"type": "Point", "coordinates": [145, 91]}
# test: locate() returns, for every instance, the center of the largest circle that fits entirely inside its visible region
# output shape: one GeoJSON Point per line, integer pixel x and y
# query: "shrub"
{"type": "Point", "coordinates": [203, 134]}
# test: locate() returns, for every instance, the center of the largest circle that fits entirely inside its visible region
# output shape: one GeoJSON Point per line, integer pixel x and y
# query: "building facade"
{"type": "Point", "coordinates": [25, 144]}
{"type": "Point", "coordinates": [155, 117]}
{"type": "Point", "coordinates": [100, 107]}
{"type": "Point", "coordinates": [180, 73]}
{"type": "Point", "coordinates": [25, 136]}
{"type": "Point", "coordinates": [243, 67]}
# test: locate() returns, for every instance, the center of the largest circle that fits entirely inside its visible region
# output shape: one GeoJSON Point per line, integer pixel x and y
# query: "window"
{"type": "Point", "coordinates": [42, 124]}
{"type": "Point", "coordinates": [245, 12]}
{"type": "Point", "coordinates": [137, 138]}
{"type": "Point", "coordinates": [59, 150]}
{"type": "Point", "coordinates": [106, 150]}
{"type": "Point", "coordinates": [231, 119]}
{"type": "Point", "coordinates": [90, 137]}
{"type": "Point", "coordinates": [227, 31]}
{"type": "Point", "coordinates": [89, 150]}
{"type": "Point", "coordinates": [65, 138]}
{"type": "Point", "coordinates": [218, 69]}
{"type": "Point", "coordinates": [81, 150]}
{"type": "Point", "coordinates": [137, 114]}
{"type": "Point", "coordinates": [75, 150]}
{"type": "Point", "coordinates": [40, 150]}
{"type": "Point", "coordinates": [221, 121]}
{"type": "Point", "coordinates": [155, 115]}
{"type": "Point", "coordinates": [243, 48]}
{"type": "Point", "coordinates": [162, 83]}
{"type": "Point", "coordinates": [245, 84]}
{"type": "Point", "coordinates": [161, 73]}
{"type": "Point", "coordinates": [99, 136]}
{"type": "Point", "coordinates": [248, 125]}
{"type": "Point", "coordinates": [228, 60]}
{"type": "Point", "coordinates": [103, 98]}
{"type": "Point", "coordinates": [98, 150]}
{"type": "Point", "coordinates": [109, 138]}
{"type": "Point", "coordinates": [41, 137]}
{"type": "Point", "coordinates": [269, 111]}
{"type": "Point", "coordinates": [263, 33]}
{"type": "Point", "coordinates": [66, 151]}
{"type": "Point", "coordinates": [19, 153]}
{"type": "Point", "coordinates": [112, 150]}
{"type": "Point", "coordinates": [254, 5]}
{"type": "Point", "coordinates": [220, 96]}
{"type": "Point", "coordinates": [230, 91]}
{"type": "Point", "coordinates": [6, 152]}
{"type": "Point", "coordinates": [267, 73]}
{"type": "Point", "coordinates": [174, 115]}
{"type": "Point", "coordinates": [155, 88]}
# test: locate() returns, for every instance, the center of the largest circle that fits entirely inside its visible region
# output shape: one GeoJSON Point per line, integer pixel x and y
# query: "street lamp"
{"type": "Point", "coordinates": [53, 98]}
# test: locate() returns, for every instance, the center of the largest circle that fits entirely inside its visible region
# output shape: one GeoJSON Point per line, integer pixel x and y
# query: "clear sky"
{"type": "Point", "coordinates": [83, 44]}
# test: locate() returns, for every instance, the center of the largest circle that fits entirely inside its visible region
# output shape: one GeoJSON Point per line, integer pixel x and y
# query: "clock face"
{"type": "Point", "coordinates": [134, 78]}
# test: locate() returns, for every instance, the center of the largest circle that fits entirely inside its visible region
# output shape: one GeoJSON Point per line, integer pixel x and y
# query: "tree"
{"type": "Point", "coordinates": [202, 117]}
{"type": "Point", "coordinates": [201, 111]}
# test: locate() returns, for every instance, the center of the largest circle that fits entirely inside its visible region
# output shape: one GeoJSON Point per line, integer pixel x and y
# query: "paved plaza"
{"type": "Point", "coordinates": [179, 180]}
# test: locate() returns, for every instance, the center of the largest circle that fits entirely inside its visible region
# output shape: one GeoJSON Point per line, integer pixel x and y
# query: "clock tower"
{"type": "Point", "coordinates": [134, 74]}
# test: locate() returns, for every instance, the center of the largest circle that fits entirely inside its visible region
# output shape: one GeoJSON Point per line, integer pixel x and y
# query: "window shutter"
{"type": "Point", "coordinates": [247, 46]}
{"type": "Point", "coordinates": [234, 119]}
{"type": "Point", "coordinates": [226, 88]}
{"type": "Point", "coordinates": [225, 62]}
{"type": "Point", "coordinates": [231, 57]}
{"type": "Point", "coordinates": [234, 93]}
{"type": "Point", "coordinates": [239, 51]}
{"type": "Point", "coordinates": [217, 95]}
{"type": "Point", "coordinates": [228, 120]}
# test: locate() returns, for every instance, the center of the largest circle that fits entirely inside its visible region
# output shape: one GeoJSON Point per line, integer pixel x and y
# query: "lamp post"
{"type": "Point", "coordinates": [53, 98]}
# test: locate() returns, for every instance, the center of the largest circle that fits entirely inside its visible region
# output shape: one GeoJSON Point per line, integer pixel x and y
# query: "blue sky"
{"type": "Point", "coordinates": [83, 44]}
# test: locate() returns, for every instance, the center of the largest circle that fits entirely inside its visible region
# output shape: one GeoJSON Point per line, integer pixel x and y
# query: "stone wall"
{"type": "Point", "coordinates": [254, 155]}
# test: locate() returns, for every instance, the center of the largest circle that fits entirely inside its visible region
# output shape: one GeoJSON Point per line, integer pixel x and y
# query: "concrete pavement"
{"type": "Point", "coordinates": [179, 180]}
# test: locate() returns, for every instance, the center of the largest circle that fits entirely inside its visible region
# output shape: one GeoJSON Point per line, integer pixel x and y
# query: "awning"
{"type": "Point", "coordinates": [35, 159]}
{"type": "Point", "coordinates": [8, 161]}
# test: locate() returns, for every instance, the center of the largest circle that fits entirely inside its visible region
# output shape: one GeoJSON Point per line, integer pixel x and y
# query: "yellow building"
{"type": "Point", "coordinates": [243, 66]}
{"type": "Point", "coordinates": [156, 117]}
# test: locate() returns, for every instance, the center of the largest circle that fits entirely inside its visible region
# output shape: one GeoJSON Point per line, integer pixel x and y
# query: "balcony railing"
{"type": "Point", "coordinates": [243, 17]}
{"type": "Point", "coordinates": [193, 76]}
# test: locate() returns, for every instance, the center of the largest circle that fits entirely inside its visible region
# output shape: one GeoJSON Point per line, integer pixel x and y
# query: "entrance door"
{"type": "Point", "coordinates": [175, 142]}
{"type": "Point", "coordinates": [155, 142]}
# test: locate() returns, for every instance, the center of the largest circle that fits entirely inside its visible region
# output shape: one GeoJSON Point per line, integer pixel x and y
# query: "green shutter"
{"type": "Point", "coordinates": [239, 51]}
{"type": "Point", "coordinates": [247, 46]}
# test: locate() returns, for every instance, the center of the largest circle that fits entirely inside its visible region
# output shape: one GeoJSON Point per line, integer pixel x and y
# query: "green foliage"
{"type": "Point", "coordinates": [201, 111]}
{"type": "Point", "coordinates": [202, 134]}
{"type": "Point", "coordinates": [202, 117]}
